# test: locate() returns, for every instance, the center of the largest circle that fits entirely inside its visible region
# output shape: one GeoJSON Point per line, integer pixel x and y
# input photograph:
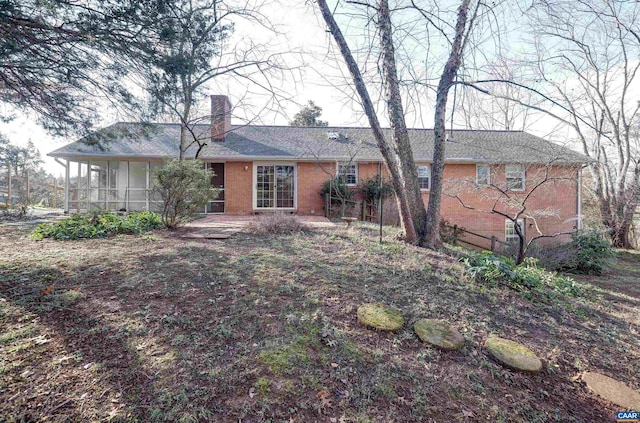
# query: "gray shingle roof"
{"type": "Point", "coordinates": [255, 142]}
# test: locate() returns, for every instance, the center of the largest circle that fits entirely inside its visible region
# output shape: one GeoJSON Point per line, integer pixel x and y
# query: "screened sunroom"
{"type": "Point", "coordinates": [109, 185]}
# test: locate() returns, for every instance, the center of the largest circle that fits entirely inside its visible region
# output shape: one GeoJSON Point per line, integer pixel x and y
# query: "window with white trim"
{"type": "Point", "coordinates": [424, 177]}
{"type": "Point", "coordinates": [510, 235]}
{"type": "Point", "coordinates": [514, 175]}
{"type": "Point", "coordinates": [348, 173]}
{"type": "Point", "coordinates": [483, 174]}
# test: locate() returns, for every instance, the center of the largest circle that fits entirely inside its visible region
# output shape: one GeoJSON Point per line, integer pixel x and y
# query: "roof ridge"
{"type": "Point", "coordinates": [320, 127]}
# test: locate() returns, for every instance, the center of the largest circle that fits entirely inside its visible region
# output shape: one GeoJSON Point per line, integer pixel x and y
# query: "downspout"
{"type": "Point", "coordinates": [66, 183]}
{"type": "Point", "coordinates": [579, 198]}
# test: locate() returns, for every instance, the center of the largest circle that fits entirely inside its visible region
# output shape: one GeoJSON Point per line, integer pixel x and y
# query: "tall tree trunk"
{"type": "Point", "coordinates": [616, 209]}
{"type": "Point", "coordinates": [621, 235]}
{"type": "Point", "coordinates": [408, 174]}
{"type": "Point", "coordinates": [399, 174]}
{"type": "Point", "coordinates": [622, 228]}
{"type": "Point", "coordinates": [432, 235]}
{"type": "Point", "coordinates": [9, 202]}
{"type": "Point", "coordinates": [28, 189]}
{"type": "Point", "coordinates": [522, 241]}
{"type": "Point", "coordinates": [184, 130]}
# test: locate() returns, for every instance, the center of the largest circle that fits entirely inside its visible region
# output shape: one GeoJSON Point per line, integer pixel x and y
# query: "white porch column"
{"type": "Point", "coordinates": [66, 187]}
{"type": "Point", "coordinates": [88, 186]}
{"type": "Point", "coordinates": [146, 191]}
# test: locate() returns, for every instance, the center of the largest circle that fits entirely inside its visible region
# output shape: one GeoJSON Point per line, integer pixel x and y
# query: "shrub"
{"type": "Point", "coordinates": [372, 191]}
{"type": "Point", "coordinates": [14, 212]}
{"type": "Point", "coordinates": [585, 253]}
{"type": "Point", "coordinates": [527, 277]}
{"type": "Point", "coordinates": [277, 223]}
{"type": "Point", "coordinates": [98, 225]}
{"type": "Point", "coordinates": [592, 253]}
{"type": "Point", "coordinates": [339, 190]}
{"type": "Point", "coordinates": [184, 188]}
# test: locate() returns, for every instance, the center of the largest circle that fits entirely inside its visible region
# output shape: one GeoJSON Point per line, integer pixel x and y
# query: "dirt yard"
{"type": "Point", "coordinates": [156, 328]}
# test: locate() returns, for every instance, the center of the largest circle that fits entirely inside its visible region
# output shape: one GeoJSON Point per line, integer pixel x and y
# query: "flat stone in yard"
{"type": "Point", "coordinates": [205, 236]}
{"type": "Point", "coordinates": [513, 355]}
{"type": "Point", "coordinates": [380, 316]}
{"type": "Point", "coordinates": [439, 334]}
{"type": "Point", "coordinates": [612, 390]}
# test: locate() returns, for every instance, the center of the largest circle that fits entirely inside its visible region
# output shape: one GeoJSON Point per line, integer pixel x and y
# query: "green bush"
{"type": "Point", "coordinates": [372, 191]}
{"type": "Point", "coordinates": [184, 188]}
{"type": "Point", "coordinates": [585, 253]}
{"type": "Point", "coordinates": [339, 191]}
{"type": "Point", "coordinates": [592, 253]}
{"type": "Point", "coordinates": [528, 277]}
{"type": "Point", "coordinates": [98, 225]}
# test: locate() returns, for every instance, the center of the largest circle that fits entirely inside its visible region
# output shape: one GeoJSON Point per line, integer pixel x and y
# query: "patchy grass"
{"type": "Point", "coordinates": [263, 328]}
{"type": "Point", "coordinates": [622, 275]}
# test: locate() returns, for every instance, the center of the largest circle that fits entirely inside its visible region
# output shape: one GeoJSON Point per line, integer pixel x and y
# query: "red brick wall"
{"type": "Point", "coordinates": [368, 170]}
{"type": "Point", "coordinates": [238, 188]}
{"type": "Point", "coordinates": [311, 177]}
{"type": "Point", "coordinates": [553, 204]}
{"type": "Point", "coordinates": [551, 208]}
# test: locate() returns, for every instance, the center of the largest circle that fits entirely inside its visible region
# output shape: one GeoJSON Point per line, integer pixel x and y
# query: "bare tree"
{"type": "Point", "coordinates": [517, 204]}
{"type": "Point", "coordinates": [194, 50]}
{"type": "Point", "coordinates": [464, 24]}
{"type": "Point", "coordinates": [399, 160]}
{"type": "Point", "coordinates": [498, 111]}
{"type": "Point", "coordinates": [596, 46]}
{"type": "Point", "coordinates": [584, 74]}
{"type": "Point", "coordinates": [420, 226]}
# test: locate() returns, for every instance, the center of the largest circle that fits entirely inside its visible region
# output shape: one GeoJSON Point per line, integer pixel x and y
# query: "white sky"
{"type": "Point", "coordinates": [302, 29]}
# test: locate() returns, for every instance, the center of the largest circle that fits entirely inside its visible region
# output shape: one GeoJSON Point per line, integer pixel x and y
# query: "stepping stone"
{"type": "Point", "coordinates": [206, 236]}
{"type": "Point", "coordinates": [513, 355]}
{"type": "Point", "coordinates": [439, 334]}
{"type": "Point", "coordinates": [380, 316]}
{"type": "Point", "coordinates": [612, 390]}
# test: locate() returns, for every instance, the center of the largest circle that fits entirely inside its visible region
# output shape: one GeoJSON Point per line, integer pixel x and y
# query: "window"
{"type": "Point", "coordinates": [510, 234]}
{"type": "Point", "coordinates": [424, 177]}
{"type": "Point", "coordinates": [349, 173]}
{"type": "Point", "coordinates": [515, 177]}
{"type": "Point", "coordinates": [483, 175]}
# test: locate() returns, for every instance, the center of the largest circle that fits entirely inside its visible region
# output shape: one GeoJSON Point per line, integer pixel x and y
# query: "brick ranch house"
{"type": "Point", "coordinates": [268, 168]}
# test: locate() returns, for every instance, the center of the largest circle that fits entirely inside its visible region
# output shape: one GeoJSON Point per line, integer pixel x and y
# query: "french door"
{"type": "Point", "coordinates": [275, 187]}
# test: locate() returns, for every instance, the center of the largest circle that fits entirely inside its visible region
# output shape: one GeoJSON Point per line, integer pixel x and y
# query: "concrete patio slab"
{"type": "Point", "coordinates": [223, 224]}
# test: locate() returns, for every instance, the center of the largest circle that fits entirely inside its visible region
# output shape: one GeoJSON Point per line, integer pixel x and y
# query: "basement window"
{"type": "Point", "coordinates": [510, 235]}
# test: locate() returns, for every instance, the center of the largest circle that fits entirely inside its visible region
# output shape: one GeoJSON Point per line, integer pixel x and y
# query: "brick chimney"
{"type": "Point", "coordinates": [220, 117]}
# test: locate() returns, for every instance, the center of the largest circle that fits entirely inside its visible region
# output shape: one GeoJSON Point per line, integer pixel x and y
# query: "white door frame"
{"type": "Point", "coordinates": [254, 189]}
